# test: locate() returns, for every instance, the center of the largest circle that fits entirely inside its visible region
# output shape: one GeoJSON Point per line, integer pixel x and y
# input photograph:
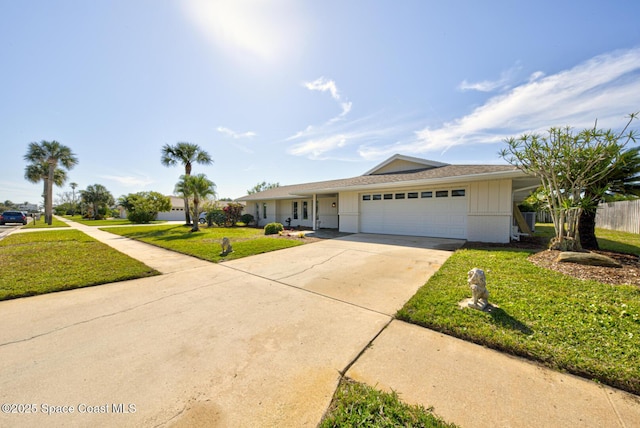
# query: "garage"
{"type": "Point", "coordinates": [438, 213]}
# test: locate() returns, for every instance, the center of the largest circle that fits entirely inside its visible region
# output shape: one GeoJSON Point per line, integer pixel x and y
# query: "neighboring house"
{"type": "Point", "coordinates": [29, 208]}
{"type": "Point", "coordinates": [404, 196]}
{"type": "Point", "coordinates": [177, 210]}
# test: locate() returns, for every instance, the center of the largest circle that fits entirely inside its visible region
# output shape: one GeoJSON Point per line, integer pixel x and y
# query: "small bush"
{"type": "Point", "coordinates": [233, 210]}
{"type": "Point", "coordinates": [246, 219]}
{"type": "Point", "coordinates": [273, 228]}
{"type": "Point", "coordinates": [141, 217]}
{"type": "Point", "coordinates": [216, 216]}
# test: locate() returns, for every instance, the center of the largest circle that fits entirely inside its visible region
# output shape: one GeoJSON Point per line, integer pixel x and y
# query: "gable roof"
{"type": "Point", "coordinates": [402, 163]}
{"type": "Point", "coordinates": [383, 176]}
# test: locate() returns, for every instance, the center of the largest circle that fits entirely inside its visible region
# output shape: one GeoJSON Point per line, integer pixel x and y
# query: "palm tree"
{"type": "Point", "coordinates": [74, 186]}
{"type": "Point", "coordinates": [622, 179]}
{"type": "Point", "coordinates": [53, 154]}
{"type": "Point", "coordinates": [98, 196]}
{"type": "Point", "coordinates": [186, 154]}
{"type": "Point", "coordinates": [35, 172]}
{"type": "Point", "coordinates": [197, 187]}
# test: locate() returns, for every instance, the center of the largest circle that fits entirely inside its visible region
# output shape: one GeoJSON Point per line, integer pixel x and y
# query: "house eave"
{"type": "Point", "coordinates": [414, 183]}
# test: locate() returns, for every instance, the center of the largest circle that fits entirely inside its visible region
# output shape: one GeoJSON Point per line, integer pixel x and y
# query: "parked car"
{"type": "Point", "coordinates": [12, 217]}
{"type": "Point", "coordinates": [203, 218]}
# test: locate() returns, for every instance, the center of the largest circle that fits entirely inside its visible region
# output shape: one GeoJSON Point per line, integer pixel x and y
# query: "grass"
{"type": "Point", "coordinates": [355, 404]}
{"type": "Point", "coordinates": [608, 240]}
{"type": "Point", "coordinates": [106, 222]}
{"type": "Point", "coordinates": [56, 260]}
{"type": "Point", "coordinates": [40, 224]}
{"type": "Point", "coordinates": [584, 327]}
{"type": "Point", "coordinates": [206, 243]}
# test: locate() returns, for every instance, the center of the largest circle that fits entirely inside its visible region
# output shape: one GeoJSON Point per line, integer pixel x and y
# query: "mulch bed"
{"type": "Point", "coordinates": [629, 273]}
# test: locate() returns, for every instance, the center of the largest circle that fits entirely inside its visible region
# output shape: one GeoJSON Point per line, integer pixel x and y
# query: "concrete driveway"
{"type": "Point", "coordinates": [260, 341]}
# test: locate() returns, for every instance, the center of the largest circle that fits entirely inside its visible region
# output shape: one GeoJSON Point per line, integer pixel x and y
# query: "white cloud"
{"type": "Point", "coordinates": [506, 77]}
{"type": "Point", "coordinates": [233, 134]}
{"type": "Point", "coordinates": [323, 84]}
{"type": "Point", "coordinates": [605, 87]}
{"type": "Point", "coordinates": [264, 30]}
{"type": "Point", "coordinates": [333, 140]}
{"type": "Point", "coordinates": [315, 148]}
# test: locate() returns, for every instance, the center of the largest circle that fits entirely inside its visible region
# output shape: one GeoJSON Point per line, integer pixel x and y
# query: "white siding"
{"type": "Point", "coordinates": [349, 212]}
{"type": "Point", "coordinates": [490, 205]}
{"type": "Point", "coordinates": [328, 212]}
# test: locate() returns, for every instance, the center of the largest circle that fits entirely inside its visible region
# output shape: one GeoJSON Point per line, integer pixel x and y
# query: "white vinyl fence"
{"type": "Point", "coordinates": [622, 215]}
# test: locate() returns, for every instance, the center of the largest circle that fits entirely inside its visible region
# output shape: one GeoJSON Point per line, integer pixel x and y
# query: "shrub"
{"type": "Point", "coordinates": [216, 216]}
{"type": "Point", "coordinates": [246, 219]}
{"type": "Point", "coordinates": [233, 210]}
{"type": "Point", "coordinates": [273, 228]}
{"type": "Point", "coordinates": [143, 207]}
{"type": "Point", "coordinates": [141, 217]}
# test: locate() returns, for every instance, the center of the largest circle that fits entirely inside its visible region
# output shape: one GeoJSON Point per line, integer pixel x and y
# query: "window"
{"type": "Point", "coordinates": [442, 194]}
{"type": "Point", "coordinates": [412, 195]}
{"type": "Point", "coordinates": [377, 197]}
{"type": "Point", "coordinates": [295, 210]}
{"type": "Point", "coordinates": [399, 195]}
{"type": "Point", "coordinates": [264, 210]}
{"type": "Point", "coordinates": [366, 197]}
{"type": "Point", "coordinates": [426, 194]}
{"type": "Point", "coordinates": [388, 196]}
{"type": "Point", "coordinates": [305, 210]}
{"type": "Point", "coordinates": [457, 192]}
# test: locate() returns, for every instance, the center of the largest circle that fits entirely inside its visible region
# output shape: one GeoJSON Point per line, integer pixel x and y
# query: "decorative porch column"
{"type": "Point", "coordinates": [313, 212]}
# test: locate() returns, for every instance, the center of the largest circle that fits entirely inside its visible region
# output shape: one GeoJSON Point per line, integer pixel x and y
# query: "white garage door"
{"type": "Point", "coordinates": [439, 213]}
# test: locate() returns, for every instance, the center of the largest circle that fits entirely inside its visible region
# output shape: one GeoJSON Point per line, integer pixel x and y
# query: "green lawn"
{"type": "Point", "coordinates": [106, 222]}
{"type": "Point", "coordinates": [205, 244]}
{"type": "Point", "coordinates": [609, 240]}
{"type": "Point", "coordinates": [583, 327]}
{"type": "Point", "coordinates": [55, 260]}
{"type": "Point", "coordinates": [358, 405]}
{"type": "Point", "coordinates": [40, 224]}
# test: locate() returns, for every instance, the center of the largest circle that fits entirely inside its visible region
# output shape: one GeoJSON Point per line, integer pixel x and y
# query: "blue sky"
{"type": "Point", "coordinates": [294, 91]}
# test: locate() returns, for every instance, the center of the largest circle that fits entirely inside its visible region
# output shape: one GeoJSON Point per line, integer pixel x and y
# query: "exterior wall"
{"type": "Point", "coordinates": [285, 211]}
{"type": "Point", "coordinates": [280, 210]}
{"type": "Point", "coordinates": [399, 165]}
{"type": "Point", "coordinates": [176, 214]}
{"type": "Point", "coordinates": [489, 217]}
{"type": "Point", "coordinates": [256, 209]}
{"type": "Point", "coordinates": [349, 212]}
{"type": "Point", "coordinates": [489, 214]}
{"type": "Point", "coordinates": [328, 212]}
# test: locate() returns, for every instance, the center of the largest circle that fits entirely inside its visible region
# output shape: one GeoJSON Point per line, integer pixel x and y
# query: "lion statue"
{"type": "Point", "coordinates": [226, 246]}
{"type": "Point", "coordinates": [478, 284]}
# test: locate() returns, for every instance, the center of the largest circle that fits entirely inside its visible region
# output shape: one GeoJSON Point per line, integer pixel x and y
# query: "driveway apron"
{"type": "Point", "coordinates": [260, 341]}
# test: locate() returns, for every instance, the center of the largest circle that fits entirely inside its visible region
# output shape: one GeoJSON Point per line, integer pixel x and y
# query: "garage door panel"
{"type": "Point", "coordinates": [437, 217]}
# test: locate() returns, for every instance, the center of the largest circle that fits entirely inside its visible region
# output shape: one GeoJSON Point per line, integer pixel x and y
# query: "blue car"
{"type": "Point", "coordinates": [12, 217]}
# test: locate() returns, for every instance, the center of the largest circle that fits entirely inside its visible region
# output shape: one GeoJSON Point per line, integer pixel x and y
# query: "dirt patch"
{"type": "Point", "coordinates": [629, 273]}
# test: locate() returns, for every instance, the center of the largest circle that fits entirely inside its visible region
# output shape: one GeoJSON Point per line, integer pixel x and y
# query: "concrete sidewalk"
{"type": "Point", "coordinates": [474, 386]}
{"type": "Point", "coordinates": [262, 341]}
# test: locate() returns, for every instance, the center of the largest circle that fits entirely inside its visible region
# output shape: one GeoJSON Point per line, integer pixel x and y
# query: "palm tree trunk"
{"type": "Point", "coordinates": [187, 216]}
{"type": "Point", "coordinates": [48, 209]}
{"type": "Point", "coordinates": [44, 190]}
{"type": "Point", "coordinates": [196, 223]}
{"type": "Point", "coordinates": [587, 230]}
